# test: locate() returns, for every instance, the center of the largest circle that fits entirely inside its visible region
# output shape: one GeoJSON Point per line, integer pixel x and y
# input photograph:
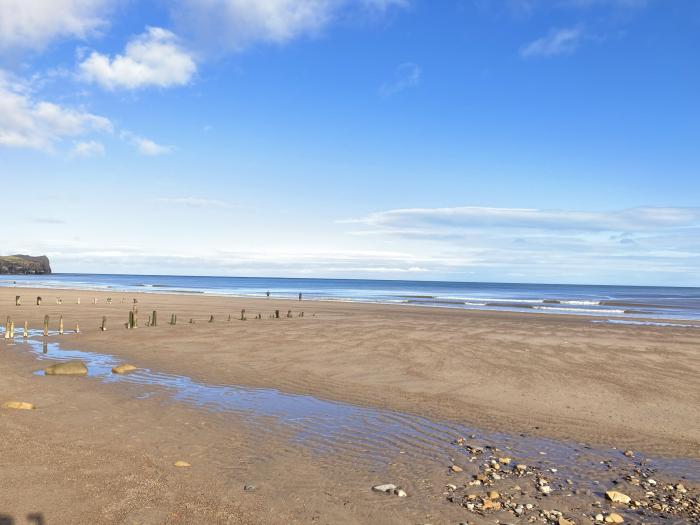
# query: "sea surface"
{"type": "Point", "coordinates": [621, 303]}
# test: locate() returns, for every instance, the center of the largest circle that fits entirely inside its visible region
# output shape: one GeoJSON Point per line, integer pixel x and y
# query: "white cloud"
{"type": "Point", "coordinates": [90, 148]}
{"type": "Point", "coordinates": [154, 58]}
{"type": "Point", "coordinates": [29, 123]}
{"type": "Point", "coordinates": [145, 146]}
{"type": "Point", "coordinates": [557, 42]}
{"type": "Point", "coordinates": [236, 24]}
{"type": "Point", "coordinates": [445, 220]}
{"type": "Point", "coordinates": [406, 76]}
{"type": "Point", "coordinates": [32, 24]}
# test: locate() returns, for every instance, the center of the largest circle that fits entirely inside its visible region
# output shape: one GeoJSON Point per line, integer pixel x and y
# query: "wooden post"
{"type": "Point", "coordinates": [229, 317]}
{"type": "Point", "coordinates": [38, 301]}
{"type": "Point", "coordinates": [60, 325]}
{"type": "Point", "coordinates": [78, 300]}
{"type": "Point", "coordinates": [191, 321]}
{"type": "Point", "coordinates": [243, 314]}
{"type": "Point", "coordinates": [46, 325]}
{"type": "Point", "coordinates": [277, 314]}
{"type": "Point", "coordinates": [18, 300]}
{"type": "Point", "coordinates": [211, 318]}
{"type": "Point", "coordinates": [154, 318]}
{"type": "Point", "coordinates": [173, 319]}
{"type": "Point", "coordinates": [94, 300]}
{"type": "Point", "coordinates": [109, 300]}
{"type": "Point", "coordinates": [7, 328]}
{"type": "Point", "coordinates": [77, 328]}
{"type": "Point", "coordinates": [289, 314]}
{"type": "Point", "coordinates": [12, 329]}
{"type": "Point", "coordinates": [103, 327]}
{"type": "Point", "coordinates": [26, 329]}
{"type": "Point", "coordinates": [130, 324]}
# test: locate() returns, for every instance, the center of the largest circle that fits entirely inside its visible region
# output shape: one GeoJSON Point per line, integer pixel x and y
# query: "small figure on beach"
{"type": "Point", "coordinates": [300, 296]}
{"type": "Point", "coordinates": [268, 293]}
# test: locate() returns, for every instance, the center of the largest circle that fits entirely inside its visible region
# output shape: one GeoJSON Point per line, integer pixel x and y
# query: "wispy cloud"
{"type": "Point", "coordinates": [193, 202]}
{"type": "Point", "coordinates": [90, 148]}
{"type": "Point", "coordinates": [406, 75]}
{"type": "Point", "coordinates": [28, 122]}
{"type": "Point", "coordinates": [558, 42]}
{"type": "Point", "coordinates": [146, 146]}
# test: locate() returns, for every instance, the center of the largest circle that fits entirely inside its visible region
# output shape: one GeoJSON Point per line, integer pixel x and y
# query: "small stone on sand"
{"type": "Point", "coordinates": [182, 464]}
{"type": "Point", "coordinates": [70, 368]}
{"type": "Point", "coordinates": [18, 405]}
{"type": "Point", "coordinates": [456, 468]}
{"type": "Point", "coordinates": [614, 518]}
{"type": "Point", "coordinates": [123, 369]}
{"type": "Point", "coordinates": [618, 497]}
{"type": "Point", "coordinates": [386, 487]}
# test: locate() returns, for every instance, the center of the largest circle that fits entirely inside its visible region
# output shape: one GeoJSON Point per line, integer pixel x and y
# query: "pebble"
{"type": "Point", "coordinates": [18, 405]}
{"type": "Point", "coordinates": [123, 369]}
{"type": "Point", "coordinates": [386, 487]}
{"type": "Point", "coordinates": [456, 468]}
{"type": "Point", "coordinates": [613, 517]}
{"type": "Point", "coordinates": [182, 464]}
{"type": "Point", "coordinates": [618, 497]}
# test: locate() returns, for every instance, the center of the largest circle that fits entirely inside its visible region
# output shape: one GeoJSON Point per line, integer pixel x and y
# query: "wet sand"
{"type": "Point", "coordinates": [558, 377]}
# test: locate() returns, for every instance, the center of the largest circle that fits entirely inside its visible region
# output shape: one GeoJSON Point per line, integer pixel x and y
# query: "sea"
{"type": "Point", "coordinates": [622, 304]}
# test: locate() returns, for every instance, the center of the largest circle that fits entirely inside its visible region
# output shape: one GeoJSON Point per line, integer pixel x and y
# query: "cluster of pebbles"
{"type": "Point", "coordinates": [490, 483]}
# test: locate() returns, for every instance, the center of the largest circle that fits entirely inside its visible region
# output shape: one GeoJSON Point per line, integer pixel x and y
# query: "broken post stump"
{"type": "Point", "coordinates": [46, 325]}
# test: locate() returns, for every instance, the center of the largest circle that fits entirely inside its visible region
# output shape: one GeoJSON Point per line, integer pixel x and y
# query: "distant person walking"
{"type": "Point", "coordinates": [300, 296]}
{"type": "Point", "coordinates": [268, 293]}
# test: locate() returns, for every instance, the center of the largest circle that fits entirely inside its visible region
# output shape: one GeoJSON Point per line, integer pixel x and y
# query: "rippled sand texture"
{"type": "Point", "coordinates": [104, 446]}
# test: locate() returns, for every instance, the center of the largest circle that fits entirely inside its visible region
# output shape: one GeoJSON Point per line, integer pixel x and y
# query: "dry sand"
{"type": "Point", "coordinates": [104, 453]}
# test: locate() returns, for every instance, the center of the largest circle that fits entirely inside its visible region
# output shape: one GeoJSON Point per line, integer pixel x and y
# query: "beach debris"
{"type": "Point", "coordinates": [182, 464]}
{"type": "Point", "coordinates": [618, 497]}
{"type": "Point", "coordinates": [123, 369]}
{"type": "Point", "coordinates": [249, 488]}
{"type": "Point", "coordinates": [18, 405]}
{"type": "Point", "coordinates": [69, 368]}
{"type": "Point", "coordinates": [385, 487]}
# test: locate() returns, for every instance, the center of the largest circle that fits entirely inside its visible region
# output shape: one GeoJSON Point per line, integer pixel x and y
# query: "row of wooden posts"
{"type": "Point", "coordinates": [39, 299]}
{"type": "Point", "coordinates": [130, 324]}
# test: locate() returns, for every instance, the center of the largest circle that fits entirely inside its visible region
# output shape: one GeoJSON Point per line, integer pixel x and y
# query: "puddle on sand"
{"type": "Point", "coordinates": [364, 437]}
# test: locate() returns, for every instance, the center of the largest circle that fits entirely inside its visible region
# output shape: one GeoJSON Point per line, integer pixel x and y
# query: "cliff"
{"type": "Point", "coordinates": [24, 264]}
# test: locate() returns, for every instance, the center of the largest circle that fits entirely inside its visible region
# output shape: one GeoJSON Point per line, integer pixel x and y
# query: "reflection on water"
{"type": "Point", "coordinates": [363, 436]}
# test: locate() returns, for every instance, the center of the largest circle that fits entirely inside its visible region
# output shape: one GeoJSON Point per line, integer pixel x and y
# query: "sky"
{"type": "Point", "coordinates": [463, 140]}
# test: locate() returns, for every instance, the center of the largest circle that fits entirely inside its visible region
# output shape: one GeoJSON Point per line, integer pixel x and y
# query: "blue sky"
{"type": "Point", "coordinates": [512, 140]}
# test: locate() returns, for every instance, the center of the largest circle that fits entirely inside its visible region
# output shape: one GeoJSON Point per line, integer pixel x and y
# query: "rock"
{"type": "Point", "coordinates": [18, 405]}
{"type": "Point", "coordinates": [456, 468]}
{"type": "Point", "coordinates": [599, 517]}
{"type": "Point", "coordinates": [504, 461]}
{"type": "Point", "coordinates": [450, 486]}
{"type": "Point", "coordinates": [564, 521]}
{"type": "Point", "coordinates": [123, 369]}
{"type": "Point", "coordinates": [614, 518]}
{"type": "Point", "coordinates": [24, 264]}
{"type": "Point", "coordinates": [494, 495]}
{"type": "Point", "coordinates": [618, 497]}
{"type": "Point", "coordinates": [249, 488]}
{"type": "Point", "coordinates": [69, 368]}
{"type": "Point", "coordinates": [521, 467]}
{"type": "Point", "coordinates": [680, 488]}
{"type": "Point", "coordinates": [545, 489]}
{"type": "Point", "coordinates": [182, 464]}
{"type": "Point", "coordinates": [629, 453]}
{"type": "Point", "coordinates": [400, 493]}
{"type": "Point", "coordinates": [386, 487]}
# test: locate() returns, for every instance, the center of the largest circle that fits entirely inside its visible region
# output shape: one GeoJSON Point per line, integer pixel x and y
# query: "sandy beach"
{"type": "Point", "coordinates": [103, 452]}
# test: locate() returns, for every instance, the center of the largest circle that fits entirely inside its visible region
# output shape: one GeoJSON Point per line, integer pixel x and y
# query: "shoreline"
{"type": "Point", "coordinates": [451, 394]}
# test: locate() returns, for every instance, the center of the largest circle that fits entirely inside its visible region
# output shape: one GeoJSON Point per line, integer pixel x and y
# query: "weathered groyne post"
{"type": "Point", "coordinates": [38, 301]}
{"type": "Point", "coordinates": [18, 300]}
{"type": "Point", "coordinates": [277, 314]}
{"type": "Point", "coordinates": [46, 325]}
{"type": "Point", "coordinates": [78, 301]}
{"type": "Point", "coordinates": [7, 328]}
{"type": "Point", "coordinates": [60, 325]}
{"type": "Point", "coordinates": [77, 328]}
{"type": "Point", "coordinates": [154, 318]}
{"type": "Point", "coordinates": [173, 319]}
{"type": "Point", "coordinates": [289, 314]}
{"type": "Point", "coordinates": [103, 326]}
{"type": "Point", "coordinates": [243, 314]}
{"type": "Point", "coordinates": [26, 329]}
{"type": "Point", "coordinates": [211, 318]}
{"type": "Point", "coordinates": [132, 322]}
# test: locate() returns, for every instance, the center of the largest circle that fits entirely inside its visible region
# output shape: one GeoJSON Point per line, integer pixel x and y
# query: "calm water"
{"type": "Point", "coordinates": [633, 302]}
